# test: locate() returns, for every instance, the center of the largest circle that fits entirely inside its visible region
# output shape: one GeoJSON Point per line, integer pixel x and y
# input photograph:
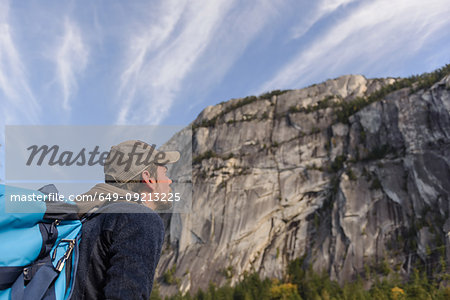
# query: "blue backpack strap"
{"type": "Point", "coordinates": [51, 274]}
{"type": "Point", "coordinates": [43, 274]}
{"type": "Point", "coordinates": [41, 271]}
{"type": "Point", "coordinates": [49, 235]}
{"type": "Point", "coordinates": [38, 287]}
{"type": "Point", "coordinates": [17, 289]}
{"type": "Point", "coordinates": [8, 276]}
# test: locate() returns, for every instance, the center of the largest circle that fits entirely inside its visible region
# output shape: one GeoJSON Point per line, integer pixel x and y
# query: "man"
{"type": "Point", "coordinates": [123, 235]}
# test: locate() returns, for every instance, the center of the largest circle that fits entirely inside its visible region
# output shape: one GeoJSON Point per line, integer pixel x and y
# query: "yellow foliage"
{"type": "Point", "coordinates": [397, 293]}
{"type": "Point", "coordinates": [446, 292]}
{"type": "Point", "coordinates": [283, 291]}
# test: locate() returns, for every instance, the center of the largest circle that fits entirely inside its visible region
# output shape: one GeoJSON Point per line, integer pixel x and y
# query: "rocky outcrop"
{"type": "Point", "coordinates": [293, 174]}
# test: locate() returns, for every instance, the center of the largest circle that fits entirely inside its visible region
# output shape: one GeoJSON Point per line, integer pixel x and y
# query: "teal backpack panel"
{"type": "Point", "coordinates": [21, 214]}
{"type": "Point", "coordinates": [38, 246]}
{"type": "Point", "coordinates": [19, 227]}
{"type": "Point", "coordinates": [25, 248]}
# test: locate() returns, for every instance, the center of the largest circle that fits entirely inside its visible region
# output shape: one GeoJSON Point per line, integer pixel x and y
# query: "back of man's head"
{"type": "Point", "coordinates": [126, 162]}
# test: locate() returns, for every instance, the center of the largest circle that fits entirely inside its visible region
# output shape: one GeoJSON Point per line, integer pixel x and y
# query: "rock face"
{"type": "Point", "coordinates": [280, 177]}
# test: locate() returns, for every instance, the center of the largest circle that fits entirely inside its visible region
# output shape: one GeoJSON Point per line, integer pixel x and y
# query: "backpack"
{"type": "Point", "coordinates": [39, 240]}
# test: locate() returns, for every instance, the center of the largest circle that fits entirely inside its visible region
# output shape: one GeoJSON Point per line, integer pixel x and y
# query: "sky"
{"type": "Point", "coordinates": [162, 62]}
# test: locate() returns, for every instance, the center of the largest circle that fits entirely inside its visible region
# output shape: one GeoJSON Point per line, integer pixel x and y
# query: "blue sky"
{"type": "Point", "coordinates": [162, 62]}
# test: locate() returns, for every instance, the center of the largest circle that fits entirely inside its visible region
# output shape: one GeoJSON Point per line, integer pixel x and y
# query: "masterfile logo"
{"type": "Point", "coordinates": [53, 156]}
{"type": "Point", "coordinates": [74, 157]}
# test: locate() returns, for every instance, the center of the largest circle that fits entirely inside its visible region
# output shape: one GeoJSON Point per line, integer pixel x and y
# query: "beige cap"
{"type": "Point", "coordinates": [126, 160]}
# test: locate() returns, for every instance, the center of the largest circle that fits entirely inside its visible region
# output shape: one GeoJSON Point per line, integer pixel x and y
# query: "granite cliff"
{"type": "Point", "coordinates": [352, 175]}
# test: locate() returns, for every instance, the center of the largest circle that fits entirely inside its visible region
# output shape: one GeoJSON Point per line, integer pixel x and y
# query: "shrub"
{"type": "Point", "coordinates": [206, 155]}
{"type": "Point", "coordinates": [301, 282]}
{"type": "Point", "coordinates": [265, 116]}
{"type": "Point", "coordinates": [351, 175]}
{"type": "Point", "coordinates": [338, 163]}
{"type": "Point", "coordinates": [415, 83]}
{"type": "Point", "coordinates": [212, 122]}
{"type": "Point", "coordinates": [169, 275]}
{"type": "Point", "coordinates": [376, 184]}
{"type": "Point", "coordinates": [228, 272]}
{"type": "Point", "coordinates": [379, 152]}
{"type": "Point", "coordinates": [273, 93]}
{"type": "Point", "coordinates": [284, 291]}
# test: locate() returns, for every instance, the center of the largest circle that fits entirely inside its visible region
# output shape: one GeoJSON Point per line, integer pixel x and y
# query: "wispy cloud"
{"type": "Point", "coordinates": [18, 104]}
{"type": "Point", "coordinates": [321, 9]}
{"type": "Point", "coordinates": [71, 59]}
{"type": "Point", "coordinates": [243, 24]}
{"type": "Point", "coordinates": [161, 58]}
{"type": "Point", "coordinates": [398, 29]}
{"type": "Point", "coordinates": [141, 45]}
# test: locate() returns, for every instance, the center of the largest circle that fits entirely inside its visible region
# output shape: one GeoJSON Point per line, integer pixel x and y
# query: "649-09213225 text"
{"type": "Point", "coordinates": [53, 197]}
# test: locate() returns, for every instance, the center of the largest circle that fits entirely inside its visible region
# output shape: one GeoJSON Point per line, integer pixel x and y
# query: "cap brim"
{"type": "Point", "coordinates": [171, 156]}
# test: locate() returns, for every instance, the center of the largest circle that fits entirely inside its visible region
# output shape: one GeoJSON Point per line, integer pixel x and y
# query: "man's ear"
{"type": "Point", "coordinates": [149, 181]}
